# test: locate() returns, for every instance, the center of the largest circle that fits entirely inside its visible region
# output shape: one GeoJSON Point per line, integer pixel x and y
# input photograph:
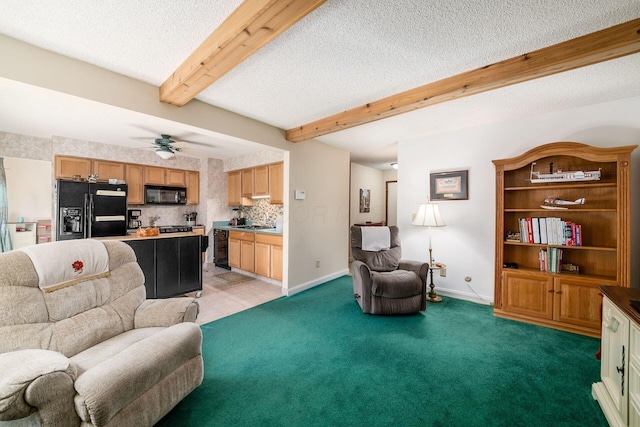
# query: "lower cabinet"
{"type": "Point", "coordinates": [241, 250]}
{"type": "Point", "coordinates": [562, 301]}
{"type": "Point", "coordinates": [257, 253]}
{"type": "Point", "coordinates": [171, 266]}
{"type": "Point", "coordinates": [268, 256]}
{"type": "Point", "coordinates": [618, 392]}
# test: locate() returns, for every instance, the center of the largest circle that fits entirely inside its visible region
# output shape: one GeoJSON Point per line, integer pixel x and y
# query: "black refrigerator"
{"type": "Point", "coordinates": [88, 209]}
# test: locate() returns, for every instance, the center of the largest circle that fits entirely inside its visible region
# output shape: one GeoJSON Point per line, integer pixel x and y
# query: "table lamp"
{"type": "Point", "coordinates": [428, 216]}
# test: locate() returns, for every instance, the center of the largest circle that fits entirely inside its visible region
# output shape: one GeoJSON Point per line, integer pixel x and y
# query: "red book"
{"type": "Point", "coordinates": [529, 230]}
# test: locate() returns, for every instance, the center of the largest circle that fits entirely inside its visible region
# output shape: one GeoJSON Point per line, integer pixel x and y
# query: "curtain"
{"type": "Point", "coordinates": [5, 238]}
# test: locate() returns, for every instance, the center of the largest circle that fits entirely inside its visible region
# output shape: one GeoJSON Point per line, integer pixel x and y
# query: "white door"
{"type": "Point", "coordinates": [392, 202]}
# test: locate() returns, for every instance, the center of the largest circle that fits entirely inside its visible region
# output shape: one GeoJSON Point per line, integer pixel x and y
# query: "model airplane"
{"type": "Point", "coordinates": [553, 203]}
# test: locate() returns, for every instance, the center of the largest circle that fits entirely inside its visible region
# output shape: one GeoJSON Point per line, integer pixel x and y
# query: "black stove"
{"type": "Point", "coordinates": [175, 229]}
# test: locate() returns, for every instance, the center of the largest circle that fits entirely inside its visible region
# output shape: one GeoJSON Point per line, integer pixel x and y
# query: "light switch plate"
{"type": "Point", "coordinates": [299, 194]}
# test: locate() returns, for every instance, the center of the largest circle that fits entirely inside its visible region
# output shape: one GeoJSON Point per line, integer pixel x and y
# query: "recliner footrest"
{"type": "Point", "coordinates": [396, 284]}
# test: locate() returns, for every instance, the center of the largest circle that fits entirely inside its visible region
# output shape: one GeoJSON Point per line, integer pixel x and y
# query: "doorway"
{"type": "Point", "coordinates": [391, 206]}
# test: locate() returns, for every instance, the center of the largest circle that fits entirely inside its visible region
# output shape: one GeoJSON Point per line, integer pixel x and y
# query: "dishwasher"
{"type": "Point", "coordinates": [221, 248]}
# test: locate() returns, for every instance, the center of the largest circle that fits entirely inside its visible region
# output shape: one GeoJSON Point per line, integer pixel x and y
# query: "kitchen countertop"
{"type": "Point", "coordinates": [159, 236]}
{"type": "Point", "coordinates": [225, 226]}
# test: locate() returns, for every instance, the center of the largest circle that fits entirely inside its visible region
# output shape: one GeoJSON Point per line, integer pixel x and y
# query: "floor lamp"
{"type": "Point", "coordinates": [429, 216]}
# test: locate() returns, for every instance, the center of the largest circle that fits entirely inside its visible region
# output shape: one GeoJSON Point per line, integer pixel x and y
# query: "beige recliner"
{"type": "Point", "coordinates": [382, 282]}
{"type": "Point", "coordinates": [80, 345]}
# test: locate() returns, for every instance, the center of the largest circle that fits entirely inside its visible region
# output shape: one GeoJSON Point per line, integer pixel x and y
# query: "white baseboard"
{"type": "Point", "coordinates": [316, 282]}
{"type": "Point", "coordinates": [467, 296]}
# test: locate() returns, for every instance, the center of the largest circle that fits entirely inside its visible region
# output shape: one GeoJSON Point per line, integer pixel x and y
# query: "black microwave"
{"type": "Point", "coordinates": [160, 195]}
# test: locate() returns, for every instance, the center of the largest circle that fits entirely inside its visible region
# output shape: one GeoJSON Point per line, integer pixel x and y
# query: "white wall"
{"type": "Point", "coordinates": [467, 244]}
{"type": "Point", "coordinates": [371, 179]}
{"type": "Point", "coordinates": [28, 189]}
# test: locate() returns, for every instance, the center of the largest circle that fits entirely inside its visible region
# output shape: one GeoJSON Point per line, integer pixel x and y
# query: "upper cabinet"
{"type": "Point", "coordinates": [276, 183]}
{"type": "Point", "coordinates": [247, 182]}
{"type": "Point", "coordinates": [68, 167]}
{"type": "Point", "coordinates": [154, 175]}
{"type": "Point", "coordinates": [193, 187]}
{"type": "Point", "coordinates": [108, 170]}
{"type": "Point", "coordinates": [234, 190]}
{"type": "Point", "coordinates": [136, 176]}
{"type": "Point", "coordinates": [260, 181]}
{"type": "Point", "coordinates": [175, 177]}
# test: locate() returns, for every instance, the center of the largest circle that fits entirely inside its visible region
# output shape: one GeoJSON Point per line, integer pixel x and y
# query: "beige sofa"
{"type": "Point", "coordinates": [80, 345]}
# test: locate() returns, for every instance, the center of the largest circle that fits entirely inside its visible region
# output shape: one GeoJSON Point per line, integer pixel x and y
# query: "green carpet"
{"type": "Point", "coordinates": [314, 359]}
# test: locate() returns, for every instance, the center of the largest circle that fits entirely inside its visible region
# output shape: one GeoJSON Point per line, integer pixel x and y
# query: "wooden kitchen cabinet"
{"type": "Point", "coordinates": [67, 167]}
{"type": "Point", "coordinates": [562, 300]}
{"type": "Point", "coordinates": [135, 182]}
{"type": "Point", "coordinates": [276, 183]}
{"type": "Point", "coordinates": [268, 256]}
{"type": "Point", "coordinates": [193, 187]}
{"type": "Point", "coordinates": [234, 190]}
{"type": "Point", "coordinates": [261, 181]}
{"type": "Point", "coordinates": [247, 182]}
{"type": "Point", "coordinates": [108, 170]}
{"type": "Point", "coordinates": [175, 178]}
{"type": "Point", "coordinates": [154, 175]}
{"type": "Point", "coordinates": [241, 250]}
{"type": "Point", "coordinates": [247, 256]}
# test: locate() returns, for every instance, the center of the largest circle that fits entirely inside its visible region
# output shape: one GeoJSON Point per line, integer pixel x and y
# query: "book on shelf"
{"type": "Point", "coordinates": [543, 231]}
{"type": "Point", "coordinates": [550, 260]}
{"type": "Point", "coordinates": [550, 231]}
{"type": "Point", "coordinates": [535, 225]}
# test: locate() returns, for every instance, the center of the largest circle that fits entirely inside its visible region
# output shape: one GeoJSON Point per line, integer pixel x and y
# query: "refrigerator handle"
{"type": "Point", "coordinates": [90, 216]}
{"type": "Point", "coordinates": [86, 216]}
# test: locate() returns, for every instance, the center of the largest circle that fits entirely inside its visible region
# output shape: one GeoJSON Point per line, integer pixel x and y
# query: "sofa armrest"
{"type": "Point", "coordinates": [166, 312]}
{"type": "Point", "coordinates": [37, 378]}
{"type": "Point", "coordinates": [419, 267]}
{"type": "Point", "coordinates": [362, 284]}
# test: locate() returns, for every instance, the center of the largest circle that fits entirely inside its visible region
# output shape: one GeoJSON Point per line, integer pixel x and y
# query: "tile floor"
{"type": "Point", "coordinates": [219, 299]}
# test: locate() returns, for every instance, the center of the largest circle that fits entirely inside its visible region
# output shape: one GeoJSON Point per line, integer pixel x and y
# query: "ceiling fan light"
{"type": "Point", "coordinates": [165, 154]}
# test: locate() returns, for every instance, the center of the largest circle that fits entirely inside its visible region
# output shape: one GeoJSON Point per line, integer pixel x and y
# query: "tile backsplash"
{"type": "Point", "coordinates": [262, 210]}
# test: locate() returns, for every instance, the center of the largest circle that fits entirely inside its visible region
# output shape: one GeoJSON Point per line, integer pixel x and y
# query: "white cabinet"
{"type": "Point", "coordinates": [618, 392]}
{"type": "Point", "coordinates": [22, 234]}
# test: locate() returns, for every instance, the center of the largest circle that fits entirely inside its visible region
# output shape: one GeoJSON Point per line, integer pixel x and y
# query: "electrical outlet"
{"type": "Point", "coordinates": [317, 263]}
{"type": "Point", "coordinates": [443, 272]}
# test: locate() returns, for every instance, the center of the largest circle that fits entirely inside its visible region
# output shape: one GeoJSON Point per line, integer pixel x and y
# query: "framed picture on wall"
{"type": "Point", "coordinates": [450, 185]}
{"type": "Point", "coordinates": [365, 200]}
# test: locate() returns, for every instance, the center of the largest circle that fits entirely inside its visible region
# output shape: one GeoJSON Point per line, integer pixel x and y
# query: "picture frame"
{"type": "Point", "coordinates": [450, 185]}
{"type": "Point", "coordinates": [365, 200]}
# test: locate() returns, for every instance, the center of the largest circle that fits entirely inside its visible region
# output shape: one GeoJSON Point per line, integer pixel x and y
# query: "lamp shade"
{"type": "Point", "coordinates": [165, 154]}
{"type": "Point", "coordinates": [428, 216]}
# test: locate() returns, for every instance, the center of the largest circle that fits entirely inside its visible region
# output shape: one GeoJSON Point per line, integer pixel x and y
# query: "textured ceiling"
{"type": "Point", "coordinates": [345, 54]}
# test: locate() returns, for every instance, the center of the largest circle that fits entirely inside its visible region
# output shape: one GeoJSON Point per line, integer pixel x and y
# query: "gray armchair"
{"type": "Point", "coordinates": [382, 282]}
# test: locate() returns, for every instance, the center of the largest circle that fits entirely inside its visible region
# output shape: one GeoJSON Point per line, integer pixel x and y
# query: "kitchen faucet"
{"type": "Point", "coordinates": [266, 218]}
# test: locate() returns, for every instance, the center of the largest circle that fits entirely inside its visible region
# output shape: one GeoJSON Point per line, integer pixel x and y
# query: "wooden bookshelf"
{"type": "Point", "coordinates": [565, 301]}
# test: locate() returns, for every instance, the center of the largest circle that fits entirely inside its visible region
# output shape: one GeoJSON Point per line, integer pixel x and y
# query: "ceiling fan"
{"type": "Point", "coordinates": [166, 147]}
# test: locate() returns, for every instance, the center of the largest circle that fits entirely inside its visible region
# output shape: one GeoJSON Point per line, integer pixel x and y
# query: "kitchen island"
{"type": "Point", "coordinates": [171, 263]}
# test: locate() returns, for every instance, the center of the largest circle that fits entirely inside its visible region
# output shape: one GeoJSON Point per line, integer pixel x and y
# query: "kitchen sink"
{"type": "Point", "coordinates": [254, 227]}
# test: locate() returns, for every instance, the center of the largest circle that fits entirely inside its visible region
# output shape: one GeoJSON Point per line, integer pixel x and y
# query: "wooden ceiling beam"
{"type": "Point", "coordinates": [610, 43]}
{"type": "Point", "coordinates": [252, 25]}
